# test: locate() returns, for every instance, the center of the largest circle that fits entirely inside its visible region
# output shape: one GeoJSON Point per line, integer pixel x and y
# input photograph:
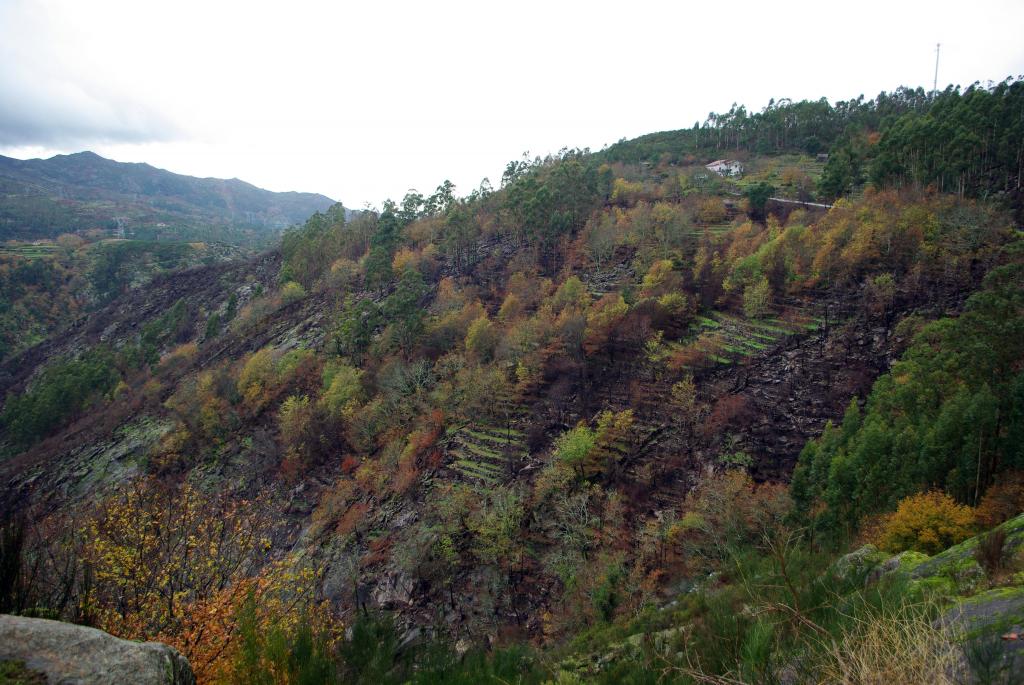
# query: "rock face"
{"type": "Point", "coordinates": [70, 654]}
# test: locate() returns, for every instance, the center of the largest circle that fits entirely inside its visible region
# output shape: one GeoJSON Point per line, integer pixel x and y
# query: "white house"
{"type": "Point", "coordinates": [726, 167]}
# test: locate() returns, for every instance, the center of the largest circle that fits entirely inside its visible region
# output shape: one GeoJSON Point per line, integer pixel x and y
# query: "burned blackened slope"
{"type": "Point", "coordinates": [203, 290]}
{"type": "Point", "coordinates": [108, 443]}
{"type": "Point", "coordinates": [763, 387]}
{"type": "Point", "coordinates": [755, 407]}
{"type": "Point", "coordinates": [764, 403]}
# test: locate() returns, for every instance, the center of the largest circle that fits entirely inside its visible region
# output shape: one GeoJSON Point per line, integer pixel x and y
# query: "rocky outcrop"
{"type": "Point", "coordinates": [990, 625]}
{"type": "Point", "coordinates": [70, 654]}
{"type": "Point", "coordinates": [858, 563]}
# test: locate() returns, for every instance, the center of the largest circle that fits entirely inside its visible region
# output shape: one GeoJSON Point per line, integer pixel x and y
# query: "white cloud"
{"type": "Point", "coordinates": [362, 101]}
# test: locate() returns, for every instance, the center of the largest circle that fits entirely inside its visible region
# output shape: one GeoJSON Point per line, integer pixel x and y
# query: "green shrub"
{"type": "Point", "coordinates": [291, 292]}
{"type": "Point", "coordinates": [373, 653]}
{"type": "Point", "coordinates": [757, 299]}
{"type": "Point", "coordinates": [63, 390]}
{"type": "Point", "coordinates": [277, 655]}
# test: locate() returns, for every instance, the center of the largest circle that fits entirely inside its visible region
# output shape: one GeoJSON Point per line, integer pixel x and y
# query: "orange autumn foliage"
{"type": "Point", "coordinates": [1002, 501]}
{"type": "Point", "coordinates": [174, 565]}
{"type": "Point", "coordinates": [352, 518]}
{"type": "Point", "coordinates": [417, 449]}
{"type": "Point", "coordinates": [349, 464]}
{"type": "Point", "coordinates": [928, 522]}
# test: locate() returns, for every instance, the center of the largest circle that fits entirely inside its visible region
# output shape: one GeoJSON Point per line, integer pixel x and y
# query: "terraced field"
{"type": "Point", "coordinates": [770, 170]}
{"type": "Point", "coordinates": [713, 229]}
{"type": "Point", "coordinates": [488, 452]}
{"type": "Point", "coordinates": [723, 338]}
{"type": "Point", "coordinates": [29, 251]}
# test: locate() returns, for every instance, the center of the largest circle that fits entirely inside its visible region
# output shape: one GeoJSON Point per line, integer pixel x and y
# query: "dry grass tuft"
{"type": "Point", "coordinates": [899, 645]}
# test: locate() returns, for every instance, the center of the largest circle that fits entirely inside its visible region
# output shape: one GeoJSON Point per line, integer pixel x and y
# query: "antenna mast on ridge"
{"type": "Point", "coordinates": [935, 83]}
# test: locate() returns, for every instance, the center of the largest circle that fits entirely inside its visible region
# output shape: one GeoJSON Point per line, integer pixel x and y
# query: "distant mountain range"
{"type": "Point", "coordinates": [43, 198]}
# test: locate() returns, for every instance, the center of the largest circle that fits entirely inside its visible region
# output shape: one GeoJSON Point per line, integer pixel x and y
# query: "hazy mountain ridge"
{"type": "Point", "coordinates": [76, 192]}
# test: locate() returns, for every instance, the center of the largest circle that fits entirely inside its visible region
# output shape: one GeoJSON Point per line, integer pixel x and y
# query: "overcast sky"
{"type": "Point", "coordinates": [362, 101]}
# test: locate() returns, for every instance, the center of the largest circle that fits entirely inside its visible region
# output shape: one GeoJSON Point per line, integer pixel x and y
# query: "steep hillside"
{"type": "Point", "coordinates": [43, 198]}
{"type": "Point", "coordinates": [610, 405]}
{"type": "Point", "coordinates": [46, 285]}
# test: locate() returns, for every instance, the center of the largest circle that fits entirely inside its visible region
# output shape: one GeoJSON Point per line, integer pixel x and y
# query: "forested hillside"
{"type": "Point", "coordinates": [968, 142]}
{"type": "Point", "coordinates": [619, 419]}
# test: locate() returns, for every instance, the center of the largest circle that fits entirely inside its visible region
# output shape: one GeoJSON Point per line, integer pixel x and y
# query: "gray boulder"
{"type": "Point", "coordinates": [75, 655]}
{"type": "Point", "coordinates": [858, 563]}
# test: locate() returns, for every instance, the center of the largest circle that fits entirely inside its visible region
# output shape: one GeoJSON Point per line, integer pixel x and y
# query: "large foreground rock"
{"type": "Point", "coordinates": [73, 655]}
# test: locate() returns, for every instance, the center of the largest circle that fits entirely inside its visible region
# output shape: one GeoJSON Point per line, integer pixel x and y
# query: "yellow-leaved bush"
{"type": "Point", "coordinates": [928, 522]}
{"type": "Point", "coordinates": [175, 565]}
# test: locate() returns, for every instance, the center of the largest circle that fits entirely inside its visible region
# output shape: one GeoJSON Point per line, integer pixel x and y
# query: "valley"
{"type": "Point", "coordinates": [621, 419]}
